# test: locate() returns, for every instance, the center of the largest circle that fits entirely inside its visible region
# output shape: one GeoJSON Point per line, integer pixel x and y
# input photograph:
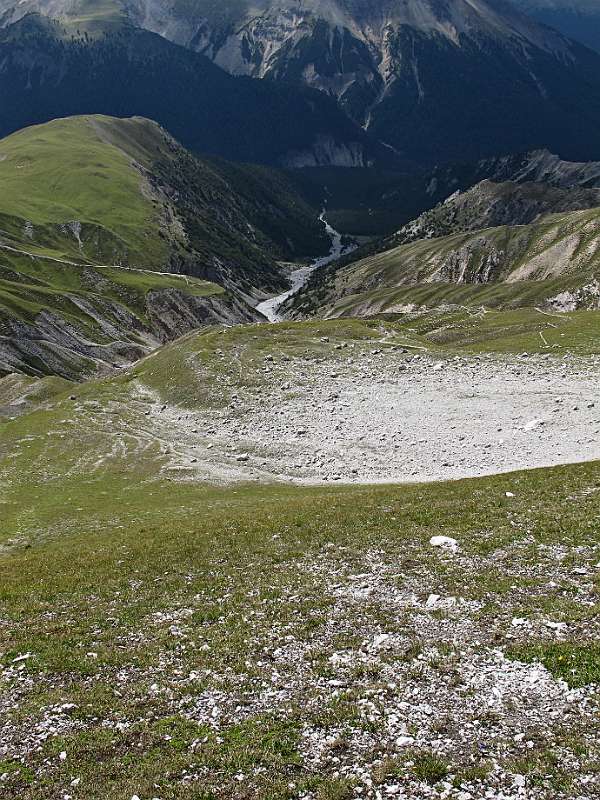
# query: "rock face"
{"type": "Point", "coordinates": [47, 72]}
{"type": "Point", "coordinates": [107, 335]}
{"type": "Point", "coordinates": [489, 204]}
{"type": "Point", "coordinates": [437, 80]}
{"type": "Point", "coordinates": [400, 69]}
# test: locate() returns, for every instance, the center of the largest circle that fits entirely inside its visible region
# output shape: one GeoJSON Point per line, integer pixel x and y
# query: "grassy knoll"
{"type": "Point", "coordinates": [64, 171]}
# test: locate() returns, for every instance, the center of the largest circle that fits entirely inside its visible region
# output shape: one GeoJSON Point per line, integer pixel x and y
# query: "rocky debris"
{"type": "Point", "coordinates": [436, 681]}
{"type": "Point", "coordinates": [112, 336]}
{"type": "Point", "coordinates": [391, 670]}
{"type": "Point", "coordinates": [384, 415]}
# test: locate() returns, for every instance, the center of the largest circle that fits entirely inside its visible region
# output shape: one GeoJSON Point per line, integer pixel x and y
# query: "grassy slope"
{"type": "Point", "coordinates": [96, 191]}
{"type": "Point", "coordinates": [107, 560]}
{"type": "Point", "coordinates": [507, 266]}
{"type": "Point", "coordinates": [64, 171]}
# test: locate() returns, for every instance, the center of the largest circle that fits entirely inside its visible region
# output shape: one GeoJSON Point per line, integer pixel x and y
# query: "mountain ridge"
{"type": "Point", "coordinates": [397, 70]}
{"type": "Point", "coordinates": [48, 71]}
{"type": "Point", "coordinates": [115, 239]}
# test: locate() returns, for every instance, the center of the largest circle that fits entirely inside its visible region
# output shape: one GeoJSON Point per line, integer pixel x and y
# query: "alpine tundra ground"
{"type": "Point", "coordinates": [165, 637]}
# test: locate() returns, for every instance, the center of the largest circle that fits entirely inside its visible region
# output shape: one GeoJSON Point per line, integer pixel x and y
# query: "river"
{"type": "Point", "coordinates": [269, 308]}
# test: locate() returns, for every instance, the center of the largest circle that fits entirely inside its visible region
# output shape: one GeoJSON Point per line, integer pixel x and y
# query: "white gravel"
{"type": "Point", "coordinates": [389, 416]}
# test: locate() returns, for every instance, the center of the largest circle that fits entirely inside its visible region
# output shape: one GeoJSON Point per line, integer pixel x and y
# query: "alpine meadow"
{"type": "Point", "coordinates": [299, 400]}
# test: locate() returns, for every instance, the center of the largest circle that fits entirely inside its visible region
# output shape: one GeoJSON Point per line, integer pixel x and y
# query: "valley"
{"type": "Point", "coordinates": [299, 412]}
{"type": "Point", "coordinates": [299, 276]}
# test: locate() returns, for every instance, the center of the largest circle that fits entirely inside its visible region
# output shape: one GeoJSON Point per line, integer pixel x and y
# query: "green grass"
{"type": "Point", "coordinates": [90, 555]}
{"type": "Point", "coordinates": [67, 170]}
{"type": "Point", "coordinates": [119, 549]}
{"type": "Point", "coordinates": [430, 768]}
{"type": "Point", "coordinates": [423, 296]}
{"type": "Point", "coordinates": [511, 331]}
{"type": "Point", "coordinates": [479, 330]}
{"type": "Point", "coordinates": [577, 664]}
{"type": "Point", "coordinates": [106, 558]}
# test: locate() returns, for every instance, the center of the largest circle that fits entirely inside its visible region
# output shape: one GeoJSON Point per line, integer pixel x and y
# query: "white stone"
{"type": "Point", "coordinates": [444, 541]}
{"type": "Point", "coordinates": [519, 622]}
{"type": "Point", "coordinates": [24, 657]}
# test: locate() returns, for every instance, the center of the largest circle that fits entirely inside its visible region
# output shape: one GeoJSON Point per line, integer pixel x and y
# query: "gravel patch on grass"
{"type": "Point", "coordinates": [389, 417]}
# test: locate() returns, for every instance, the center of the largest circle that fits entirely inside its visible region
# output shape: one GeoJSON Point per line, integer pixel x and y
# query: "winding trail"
{"type": "Point", "coordinates": [269, 308]}
{"type": "Point", "coordinates": [87, 265]}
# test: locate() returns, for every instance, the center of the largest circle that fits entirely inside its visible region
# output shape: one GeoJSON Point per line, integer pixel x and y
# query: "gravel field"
{"type": "Point", "coordinates": [389, 416]}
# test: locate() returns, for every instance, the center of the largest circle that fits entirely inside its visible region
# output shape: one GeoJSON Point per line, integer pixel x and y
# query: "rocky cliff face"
{"type": "Point", "coordinates": [104, 334]}
{"type": "Point", "coordinates": [490, 204]}
{"type": "Point", "coordinates": [437, 80]}
{"type": "Point", "coordinates": [49, 71]}
{"type": "Point", "coordinates": [400, 69]}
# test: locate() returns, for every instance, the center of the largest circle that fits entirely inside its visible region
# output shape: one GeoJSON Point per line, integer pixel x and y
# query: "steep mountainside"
{"type": "Point", "coordinates": [553, 261]}
{"type": "Point", "coordinates": [578, 19]}
{"type": "Point", "coordinates": [47, 71]}
{"type": "Point", "coordinates": [439, 80]}
{"type": "Point", "coordinates": [488, 205]}
{"type": "Point", "coordinates": [527, 233]}
{"type": "Point", "coordinates": [98, 214]}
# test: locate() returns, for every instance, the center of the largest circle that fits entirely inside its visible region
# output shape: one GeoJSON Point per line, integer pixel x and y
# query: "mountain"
{"type": "Point", "coordinates": [494, 245]}
{"type": "Point", "coordinates": [49, 71]}
{"type": "Point", "coordinates": [552, 263]}
{"type": "Point", "coordinates": [377, 202]}
{"type": "Point", "coordinates": [488, 205]}
{"type": "Point", "coordinates": [578, 19]}
{"type": "Point", "coordinates": [438, 80]}
{"type": "Point", "coordinates": [114, 238]}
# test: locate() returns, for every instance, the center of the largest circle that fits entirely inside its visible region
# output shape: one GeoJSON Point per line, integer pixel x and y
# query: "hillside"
{"type": "Point", "coordinates": [552, 262]}
{"type": "Point", "coordinates": [216, 632]}
{"type": "Point", "coordinates": [377, 202]}
{"type": "Point", "coordinates": [299, 414]}
{"type": "Point", "coordinates": [489, 205]}
{"type": "Point", "coordinates": [96, 214]}
{"type": "Point", "coordinates": [397, 69]}
{"type": "Point", "coordinates": [48, 70]}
